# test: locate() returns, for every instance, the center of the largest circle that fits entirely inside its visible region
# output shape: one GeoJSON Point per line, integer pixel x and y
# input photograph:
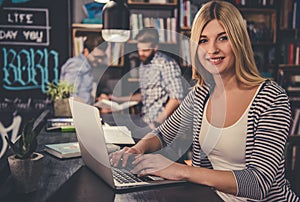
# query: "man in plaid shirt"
{"type": "Point", "coordinates": [161, 89]}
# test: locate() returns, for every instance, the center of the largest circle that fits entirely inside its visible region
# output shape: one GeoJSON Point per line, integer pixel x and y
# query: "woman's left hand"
{"type": "Point", "coordinates": [158, 165]}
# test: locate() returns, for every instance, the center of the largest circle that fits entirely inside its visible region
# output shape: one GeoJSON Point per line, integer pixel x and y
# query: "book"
{"type": "Point", "coordinates": [295, 123]}
{"type": "Point", "coordinates": [117, 135]}
{"type": "Point", "coordinates": [114, 106]}
{"type": "Point", "coordinates": [72, 149]}
{"type": "Point", "coordinates": [66, 129]}
{"type": "Point", "coordinates": [93, 9]}
{"type": "Point", "coordinates": [63, 150]}
{"type": "Point", "coordinates": [291, 53]}
{"type": "Point", "coordinates": [60, 124]}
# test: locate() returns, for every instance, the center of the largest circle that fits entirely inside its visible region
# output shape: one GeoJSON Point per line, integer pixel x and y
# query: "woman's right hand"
{"type": "Point", "coordinates": [124, 156]}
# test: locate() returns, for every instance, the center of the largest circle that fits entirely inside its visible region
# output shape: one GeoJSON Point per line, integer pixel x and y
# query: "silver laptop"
{"type": "Point", "coordinates": [94, 153]}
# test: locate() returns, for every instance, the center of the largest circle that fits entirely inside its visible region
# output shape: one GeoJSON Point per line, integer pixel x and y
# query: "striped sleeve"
{"type": "Point", "coordinates": [266, 136]}
{"type": "Point", "coordinates": [176, 132]}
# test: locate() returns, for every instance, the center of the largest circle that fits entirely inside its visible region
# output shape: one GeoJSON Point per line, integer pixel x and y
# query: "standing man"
{"type": "Point", "coordinates": [161, 89]}
{"type": "Point", "coordinates": [79, 70]}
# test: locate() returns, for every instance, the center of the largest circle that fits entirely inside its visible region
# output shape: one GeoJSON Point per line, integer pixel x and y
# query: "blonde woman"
{"type": "Point", "coordinates": [236, 121]}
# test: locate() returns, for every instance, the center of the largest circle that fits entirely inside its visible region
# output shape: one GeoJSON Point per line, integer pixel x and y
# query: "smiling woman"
{"type": "Point", "coordinates": [214, 50]}
{"type": "Point", "coordinates": [236, 121]}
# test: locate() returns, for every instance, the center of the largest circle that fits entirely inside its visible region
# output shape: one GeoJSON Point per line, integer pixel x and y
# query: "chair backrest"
{"type": "Point", "coordinates": [292, 162]}
{"type": "Point", "coordinates": [14, 129]}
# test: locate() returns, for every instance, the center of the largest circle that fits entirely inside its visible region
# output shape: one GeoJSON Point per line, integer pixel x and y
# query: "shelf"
{"type": "Point", "coordinates": [152, 5]}
{"type": "Point", "coordinates": [134, 42]}
{"type": "Point", "coordinates": [289, 30]}
{"type": "Point", "coordinates": [87, 26]}
{"type": "Point", "coordinates": [258, 10]}
{"type": "Point", "coordinates": [294, 99]}
{"type": "Point", "coordinates": [256, 43]}
{"type": "Point", "coordinates": [289, 66]}
{"type": "Point", "coordinates": [138, 3]}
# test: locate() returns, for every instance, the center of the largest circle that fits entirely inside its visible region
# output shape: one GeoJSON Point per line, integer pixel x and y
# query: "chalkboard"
{"type": "Point", "coordinates": [35, 40]}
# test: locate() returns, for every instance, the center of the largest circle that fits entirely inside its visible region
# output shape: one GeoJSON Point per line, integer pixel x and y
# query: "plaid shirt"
{"type": "Point", "coordinates": [160, 80]}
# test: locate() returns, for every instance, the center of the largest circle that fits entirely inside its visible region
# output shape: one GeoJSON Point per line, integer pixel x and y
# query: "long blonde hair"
{"type": "Point", "coordinates": [234, 25]}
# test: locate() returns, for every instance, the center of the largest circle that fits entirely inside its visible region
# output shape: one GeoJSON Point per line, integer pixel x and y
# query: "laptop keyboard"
{"type": "Point", "coordinates": [125, 176]}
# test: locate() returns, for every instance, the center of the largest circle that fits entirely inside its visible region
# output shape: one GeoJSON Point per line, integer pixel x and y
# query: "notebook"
{"type": "Point", "coordinates": [91, 140]}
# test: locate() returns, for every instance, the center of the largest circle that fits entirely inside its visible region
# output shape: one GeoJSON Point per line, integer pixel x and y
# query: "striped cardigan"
{"type": "Point", "coordinates": [268, 126]}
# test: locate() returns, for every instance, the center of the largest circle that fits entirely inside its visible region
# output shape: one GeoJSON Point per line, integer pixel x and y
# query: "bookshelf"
{"type": "Point", "coordinates": [161, 14]}
{"type": "Point", "coordinates": [262, 28]}
{"type": "Point", "coordinates": [154, 13]}
{"type": "Point", "coordinates": [261, 19]}
{"type": "Point", "coordinates": [79, 31]}
{"type": "Point", "coordinates": [288, 75]}
{"type": "Point", "coordinates": [289, 47]}
{"type": "Point", "coordinates": [176, 16]}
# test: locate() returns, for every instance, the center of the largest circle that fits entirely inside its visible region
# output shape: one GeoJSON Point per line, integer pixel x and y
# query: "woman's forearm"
{"type": "Point", "coordinates": [149, 143]}
{"type": "Point", "coordinates": [221, 180]}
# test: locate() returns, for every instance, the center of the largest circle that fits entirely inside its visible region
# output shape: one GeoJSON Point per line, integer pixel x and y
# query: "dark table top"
{"type": "Point", "coordinates": [84, 185]}
{"type": "Point", "coordinates": [55, 171]}
{"type": "Point", "coordinates": [69, 180]}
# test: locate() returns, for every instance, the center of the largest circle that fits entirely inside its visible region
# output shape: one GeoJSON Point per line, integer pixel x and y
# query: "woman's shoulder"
{"type": "Point", "coordinates": [271, 92]}
{"type": "Point", "coordinates": [273, 86]}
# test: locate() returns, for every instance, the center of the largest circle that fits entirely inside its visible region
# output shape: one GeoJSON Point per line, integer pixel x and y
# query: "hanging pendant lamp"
{"type": "Point", "coordinates": [116, 24]}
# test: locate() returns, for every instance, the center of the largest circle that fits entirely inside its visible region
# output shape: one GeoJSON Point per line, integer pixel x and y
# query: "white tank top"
{"type": "Point", "coordinates": [225, 147]}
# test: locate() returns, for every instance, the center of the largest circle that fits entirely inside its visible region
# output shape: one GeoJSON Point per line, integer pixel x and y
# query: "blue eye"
{"type": "Point", "coordinates": [202, 41]}
{"type": "Point", "coordinates": [223, 38]}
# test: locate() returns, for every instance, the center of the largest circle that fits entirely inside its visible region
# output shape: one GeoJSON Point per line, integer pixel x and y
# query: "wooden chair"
{"type": "Point", "coordinates": [292, 162]}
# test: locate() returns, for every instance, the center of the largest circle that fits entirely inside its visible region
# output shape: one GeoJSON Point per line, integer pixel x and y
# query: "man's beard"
{"type": "Point", "coordinates": [148, 59]}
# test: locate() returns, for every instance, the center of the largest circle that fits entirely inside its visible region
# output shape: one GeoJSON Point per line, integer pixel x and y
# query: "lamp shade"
{"type": "Point", "coordinates": [115, 16]}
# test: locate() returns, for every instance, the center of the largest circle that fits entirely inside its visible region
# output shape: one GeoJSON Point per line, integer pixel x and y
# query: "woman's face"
{"type": "Point", "coordinates": [214, 50]}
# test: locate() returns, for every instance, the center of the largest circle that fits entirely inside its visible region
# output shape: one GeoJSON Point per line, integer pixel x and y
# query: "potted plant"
{"type": "Point", "coordinates": [25, 163]}
{"type": "Point", "coordinates": [59, 94]}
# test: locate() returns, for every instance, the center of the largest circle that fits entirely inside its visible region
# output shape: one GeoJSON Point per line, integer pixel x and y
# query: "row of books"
{"type": "Point", "coordinates": [188, 11]}
{"type": "Point", "coordinates": [166, 27]}
{"type": "Point", "coordinates": [291, 83]}
{"type": "Point", "coordinates": [290, 53]}
{"type": "Point", "coordinates": [290, 16]}
{"type": "Point", "coordinates": [294, 85]}
{"type": "Point", "coordinates": [259, 31]}
{"type": "Point", "coordinates": [114, 50]}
